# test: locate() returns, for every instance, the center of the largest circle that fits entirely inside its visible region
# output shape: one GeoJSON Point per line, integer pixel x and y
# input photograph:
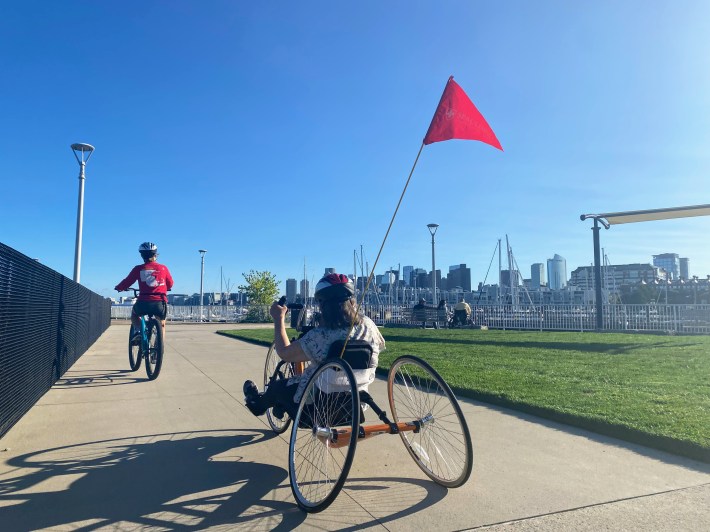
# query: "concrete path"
{"type": "Point", "coordinates": [107, 449]}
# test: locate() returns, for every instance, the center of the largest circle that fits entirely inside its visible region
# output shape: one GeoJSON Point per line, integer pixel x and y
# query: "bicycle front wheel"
{"type": "Point", "coordinates": [154, 357]}
{"type": "Point", "coordinates": [442, 446]}
{"type": "Point", "coordinates": [278, 425]}
{"type": "Point", "coordinates": [134, 351]}
{"type": "Point", "coordinates": [324, 436]}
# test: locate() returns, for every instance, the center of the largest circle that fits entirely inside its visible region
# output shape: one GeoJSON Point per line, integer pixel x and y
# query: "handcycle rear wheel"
{"type": "Point", "coordinates": [134, 351]}
{"type": "Point", "coordinates": [442, 447]}
{"type": "Point", "coordinates": [272, 361]}
{"type": "Point", "coordinates": [154, 357]}
{"type": "Point", "coordinates": [319, 456]}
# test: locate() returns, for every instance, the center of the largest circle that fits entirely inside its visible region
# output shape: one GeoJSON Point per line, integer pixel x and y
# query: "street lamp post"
{"type": "Point", "coordinates": [597, 266]}
{"type": "Point", "coordinates": [79, 149]}
{"type": "Point", "coordinates": [432, 230]}
{"type": "Point", "coordinates": [202, 277]}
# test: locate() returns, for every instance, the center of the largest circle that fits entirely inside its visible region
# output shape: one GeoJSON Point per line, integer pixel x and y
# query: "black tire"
{"type": "Point", "coordinates": [285, 372]}
{"type": "Point", "coordinates": [442, 447]}
{"type": "Point", "coordinates": [134, 352]}
{"type": "Point", "coordinates": [154, 357]}
{"type": "Point", "coordinates": [317, 466]}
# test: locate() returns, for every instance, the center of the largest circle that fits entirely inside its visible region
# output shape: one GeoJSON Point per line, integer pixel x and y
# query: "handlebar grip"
{"type": "Point", "coordinates": [282, 301]}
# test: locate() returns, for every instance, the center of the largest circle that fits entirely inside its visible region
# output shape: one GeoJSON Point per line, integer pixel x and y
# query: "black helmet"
{"type": "Point", "coordinates": [334, 287]}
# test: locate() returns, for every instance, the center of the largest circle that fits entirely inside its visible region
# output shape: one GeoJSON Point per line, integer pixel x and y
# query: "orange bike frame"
{"type": "Point", "coordinates": [340, 437]}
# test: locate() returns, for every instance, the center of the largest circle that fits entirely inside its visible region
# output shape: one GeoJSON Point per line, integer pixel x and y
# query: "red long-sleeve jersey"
{"type": "Point", "coordinates": [154, 281]}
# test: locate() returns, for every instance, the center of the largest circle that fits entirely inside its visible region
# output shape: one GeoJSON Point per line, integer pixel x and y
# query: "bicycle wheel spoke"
{"type": "Point", "coordinates": [318, 460]}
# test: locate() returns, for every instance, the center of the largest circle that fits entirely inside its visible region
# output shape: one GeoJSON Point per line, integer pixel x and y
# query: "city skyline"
{"type": "Point", "coordinates": [269, 135]}
{"type": "Point", "coordinates": [298, 284]}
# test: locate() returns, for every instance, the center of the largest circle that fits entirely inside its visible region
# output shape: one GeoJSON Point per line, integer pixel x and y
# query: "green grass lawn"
{"type": "Point", "coordinates": [621, 384]}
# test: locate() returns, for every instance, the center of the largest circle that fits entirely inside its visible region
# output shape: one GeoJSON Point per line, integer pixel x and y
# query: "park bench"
{"type": "Point", "coordinates": [430, 317]}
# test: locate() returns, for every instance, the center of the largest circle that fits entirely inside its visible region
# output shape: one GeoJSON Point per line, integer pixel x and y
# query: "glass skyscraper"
{"type": "Point", "coordinates": [557, 272]}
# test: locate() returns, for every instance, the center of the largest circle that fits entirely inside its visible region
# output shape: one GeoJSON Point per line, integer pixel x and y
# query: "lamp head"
{"type": "Point", "coordinates": [82, 148]}
{"type": "Point", "coordinates": [432, 228]}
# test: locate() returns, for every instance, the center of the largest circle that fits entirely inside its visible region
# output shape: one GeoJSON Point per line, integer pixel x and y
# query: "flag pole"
{"type": "Point", "coordinates": [372, 271]}
{"type": "Point", "coordinates": [394, 215]}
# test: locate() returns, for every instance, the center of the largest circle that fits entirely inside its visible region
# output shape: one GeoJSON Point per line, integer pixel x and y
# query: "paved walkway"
{"type": "Point", "coordinates": [107, 449]}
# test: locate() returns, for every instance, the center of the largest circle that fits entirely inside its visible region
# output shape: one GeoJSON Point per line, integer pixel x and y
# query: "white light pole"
{"type": "Point", "coordinates": [88, 149]}
{"type": "Point", "coordinates": [432, 230]}
{"type": "Point", "coordinates": [202, 276]}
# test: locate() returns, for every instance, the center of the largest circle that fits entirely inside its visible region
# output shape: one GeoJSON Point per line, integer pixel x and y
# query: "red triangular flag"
{"type": "Point", "coordinates": [457, 118]}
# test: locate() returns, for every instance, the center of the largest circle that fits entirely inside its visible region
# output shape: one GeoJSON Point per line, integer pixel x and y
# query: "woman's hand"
{"type": "Point", "coordinates": [278, 312]}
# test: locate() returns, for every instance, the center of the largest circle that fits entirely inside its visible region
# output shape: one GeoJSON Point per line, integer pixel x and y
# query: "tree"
{"type": "Point", "coordinates": [261, 289]}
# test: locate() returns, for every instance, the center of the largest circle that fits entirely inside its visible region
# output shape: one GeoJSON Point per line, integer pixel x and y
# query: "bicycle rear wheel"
{"type": "Point", "coordinates": [324, 436]}
{"type": "Point", "coordinates": [134, 351]}
{"type": "Point", "coordinates": [278, 425]}
{"type": "Point", "coordinates": [442, 447]}
{"type": "Point", "coordinates": [154, 357]}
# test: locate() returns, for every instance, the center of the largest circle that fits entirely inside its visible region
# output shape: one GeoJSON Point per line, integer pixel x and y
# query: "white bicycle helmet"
{"type": "Point", "coordinates": [147, 250]}
{"type": "Point", "coordinates": [334, 286]}
{"type": "Point", "coordinates": [148, 246]}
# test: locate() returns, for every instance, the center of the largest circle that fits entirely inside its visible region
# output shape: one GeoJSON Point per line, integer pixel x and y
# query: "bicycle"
{"type": "Point", "coordinates": [149, 346]}
{"type": "Point", "coordinates": [330, 421]}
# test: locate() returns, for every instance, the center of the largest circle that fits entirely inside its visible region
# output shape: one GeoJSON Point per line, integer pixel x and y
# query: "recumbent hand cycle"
{"type": "Point", "coordinates": [330, 421]}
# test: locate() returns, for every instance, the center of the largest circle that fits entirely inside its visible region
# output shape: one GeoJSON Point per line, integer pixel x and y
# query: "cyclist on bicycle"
{"type": "Point", "coordinates": [338, 308]}
{"type": "Point", "coordinates": [154, 281]}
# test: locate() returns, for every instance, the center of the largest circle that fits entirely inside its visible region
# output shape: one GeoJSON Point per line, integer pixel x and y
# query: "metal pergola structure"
{"type": "Point", "coordinates": [615, 218]}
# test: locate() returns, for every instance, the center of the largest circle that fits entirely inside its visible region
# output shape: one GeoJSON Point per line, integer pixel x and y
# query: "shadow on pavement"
{"type": "Point", "coordinates": [98, 377]}
{"type": "Point", "coordinates": [188, 481]}
{"type": "Point", "coordinates": [175, 481]}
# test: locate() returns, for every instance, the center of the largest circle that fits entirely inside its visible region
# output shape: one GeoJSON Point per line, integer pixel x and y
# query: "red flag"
{"type": "Point", "coordinates": [457, 118]}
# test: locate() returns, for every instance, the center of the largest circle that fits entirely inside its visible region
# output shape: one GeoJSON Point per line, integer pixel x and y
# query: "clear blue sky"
{"type": "Point", "coordinates": [273, 132]}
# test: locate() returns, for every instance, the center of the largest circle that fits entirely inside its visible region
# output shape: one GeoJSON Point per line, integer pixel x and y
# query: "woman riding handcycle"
{"type": "Point", "coordinates": [325, 402]}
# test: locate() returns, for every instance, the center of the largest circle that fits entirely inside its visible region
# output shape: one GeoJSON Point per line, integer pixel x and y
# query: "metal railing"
{"type": "Point", "coordinates": [677, 319]}
{"type": "Point", "coordinates": [47, 322]}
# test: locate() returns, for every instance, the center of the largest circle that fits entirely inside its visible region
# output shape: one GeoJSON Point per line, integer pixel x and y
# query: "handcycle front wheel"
{"type": "Point", "coordinates": [154, 356]}
{"type": "Point", "coordinates": [278, 425]}
{"type": "Point", "coordinates": [324, 436]}
{"type": "Point", "coordinates": [134, 351]}
{"type": "Point", "coordinates": [442, 446]}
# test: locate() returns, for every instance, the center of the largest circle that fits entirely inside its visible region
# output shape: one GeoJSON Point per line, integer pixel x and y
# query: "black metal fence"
{"type": "Point", "coordinates": [46, 323]}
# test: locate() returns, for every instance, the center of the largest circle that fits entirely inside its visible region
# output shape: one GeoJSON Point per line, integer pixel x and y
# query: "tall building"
{"type": "Point", "coordinates": [305, 289]}
{"type": "Point", "coordinates": [419, 278]}
{"type": "Point", "coordinates": [428, 280]}
{"type": "Point", "coordinates": [537, 275]}
{"type": "Point", "coordinates": [506, 278]}
{"type": "Point", "coordinates": [291, 290]}
{"type": "Point", "coordinates": [407, 274]}
{"type": "Point", "coordinates": [459, 276]}
{"type": "Point", "coordinates": [557, 272]}
{"type": "Point", "coordinates": [684, 268]}
{"type": "Point", "coordinates": [329, 271]}
{"type": "Point", "coordinates": [388, 278]}
{"type": "Point", "coordinates": [615, 276]}
{"type": "Point", "coordinates": [669, 262]}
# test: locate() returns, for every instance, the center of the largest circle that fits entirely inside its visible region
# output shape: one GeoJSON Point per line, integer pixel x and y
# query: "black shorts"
{"type": "Point", "coordinates": [460, 316]}
{"type": "Point", "coordinates": [159, 309]}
